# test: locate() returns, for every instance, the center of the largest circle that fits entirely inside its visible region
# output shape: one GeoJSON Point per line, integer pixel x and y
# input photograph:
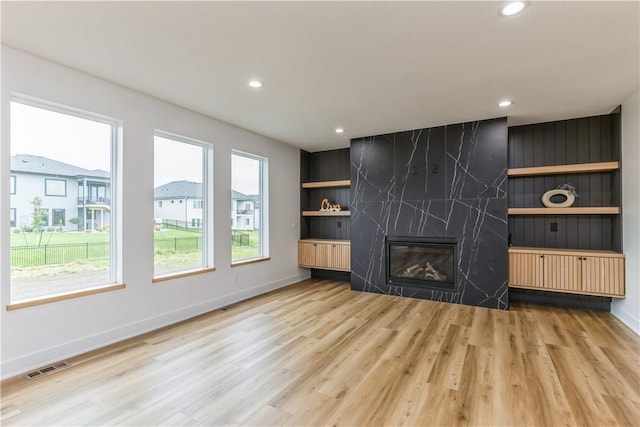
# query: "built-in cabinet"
{"type": "Point", "coordinates": [325, 234]}
{"type": "Point", "coordinates": [325, 254]}
{"type": "Point", "coordinates": [568, 271]}
{"type": "Point", "coordinates": [573, 250]}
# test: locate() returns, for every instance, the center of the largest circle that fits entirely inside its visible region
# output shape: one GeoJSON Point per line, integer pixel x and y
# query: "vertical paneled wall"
{"type": "Point", "coordinates": [329, 165]}
{"type": "Point", "coordinates": [583, 140]}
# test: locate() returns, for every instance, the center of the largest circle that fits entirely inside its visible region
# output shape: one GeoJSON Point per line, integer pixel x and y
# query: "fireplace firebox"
{"type": "Point", "coordinates": [422, 262]}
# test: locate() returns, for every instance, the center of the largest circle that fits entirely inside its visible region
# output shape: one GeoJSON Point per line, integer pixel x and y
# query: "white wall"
{"type": "Point", "coordinates": [35, 336]}
{"type": "Point", "coordinates": [628, 309]}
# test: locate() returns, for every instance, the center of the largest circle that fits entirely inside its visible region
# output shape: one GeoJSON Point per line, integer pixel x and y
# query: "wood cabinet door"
{"type": "Point", "coordinates": [306, 254]}
{"type": "Point", "coordinates": [602, 275]}
{"type": "Point", "coordinates": [563, 272]}
{"type": "Point", "coordinates": [526, 270]}
{"type": "Point", "coordinates": [323, 254]}
{"type": "Point", "coordinates": [340, 257]}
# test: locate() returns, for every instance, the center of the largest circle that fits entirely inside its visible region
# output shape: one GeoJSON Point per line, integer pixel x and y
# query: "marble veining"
{"type": "Point", "coordinates": [448, 181]}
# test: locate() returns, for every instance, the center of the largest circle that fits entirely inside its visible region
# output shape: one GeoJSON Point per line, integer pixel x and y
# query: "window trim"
{"type": "Point", "coordinates": [208, 260]}
{"type": "Point", "coordinates": [13, 184]}
{"type": "Point", "coordinates": [115, 237]}
{"type": "Point", "coordinates": [13, 211]}
{"type": "Point", "coordinates": [263, 202]}
{"type": "Point", "coordinates": [64, 217]}
{"type": "Point", "coordinates": [31, 302]}
{"type": "Point", "coordinates": [46, 187]}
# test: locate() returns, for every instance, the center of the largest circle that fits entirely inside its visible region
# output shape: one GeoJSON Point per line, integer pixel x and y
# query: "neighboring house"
{"type": "Point", "coordinates": [67, 191]}
{"type": "Point", "coordinates": [245, 211]}
{"type": "Point", "coordinates": [179, 203]}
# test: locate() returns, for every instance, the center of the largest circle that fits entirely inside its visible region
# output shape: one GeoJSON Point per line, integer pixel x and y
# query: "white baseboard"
{"type": "Point", "coordinates": [629, 319]}
{"type": "Point", "coordinates": [73, 348]}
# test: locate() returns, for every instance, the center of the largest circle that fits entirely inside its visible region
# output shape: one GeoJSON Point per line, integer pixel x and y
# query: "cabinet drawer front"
{"type": "Point", "coordinates": [340, 257]}
{"type": "Point", "coordinates": [603, 276]}
{"type": "Point", "coordinates": [306, 254]}
{"type": "Point", "coordinates": [562, 273]}
{"type": "Point", "coordinates": [526, 270]}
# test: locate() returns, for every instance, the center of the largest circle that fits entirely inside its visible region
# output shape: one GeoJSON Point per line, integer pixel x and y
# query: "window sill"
{"type": "Point", "coordinates": [31, 302]}
{"type": "Point", "coordinates": [171, 276]}
{"type": "Point", "coordinates": [249, 261]}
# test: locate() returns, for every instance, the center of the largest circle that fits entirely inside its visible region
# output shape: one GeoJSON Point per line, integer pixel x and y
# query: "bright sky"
{"type": "Point", "coordinates": [176, 161]}
{"type": "Point", "coordinates": [245, 174]}
{"type": "Point", "coordinates": [68, 139]}
{"type": "Point", "coordinates": [87, 144]}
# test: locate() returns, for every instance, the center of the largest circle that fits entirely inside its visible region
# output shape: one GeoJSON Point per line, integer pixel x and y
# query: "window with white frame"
{"type": "Point", "coordinates": [13, 184]}
{"type": "Point", "coordinates": [12, 217]}
{"type": "Point", "coordinates": [56, 151]}
{"type": "Point", "coordinates": [55, 187]}
{"type": "Point", "coordinates": [249, 181]}
{"type": "Point", "coordinates": [183, 170]}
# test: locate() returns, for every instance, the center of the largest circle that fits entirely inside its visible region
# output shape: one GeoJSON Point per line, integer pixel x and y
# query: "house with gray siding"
{"type": "Point", "coordinates": [67, 191]}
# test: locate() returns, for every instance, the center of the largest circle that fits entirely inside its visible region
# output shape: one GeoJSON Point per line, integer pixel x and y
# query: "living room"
{"type": "Point", "coordinates": [180, 70]}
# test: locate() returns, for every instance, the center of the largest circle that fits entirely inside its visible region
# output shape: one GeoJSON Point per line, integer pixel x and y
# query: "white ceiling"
{"type": "Point", "coordinates": [370, 67]}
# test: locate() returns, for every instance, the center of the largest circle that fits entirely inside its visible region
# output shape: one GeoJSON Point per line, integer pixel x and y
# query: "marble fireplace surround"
{"type": "Point", "coordinates": [443, 182]}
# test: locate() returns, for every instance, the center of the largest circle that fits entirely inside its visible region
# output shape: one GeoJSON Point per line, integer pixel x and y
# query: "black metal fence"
{"type": "Point", "coordinates": [30, 256]}
{"type": "Point", "coordinates": [239, 238]}
{"type": "Point", "coordinates": [179, 244]}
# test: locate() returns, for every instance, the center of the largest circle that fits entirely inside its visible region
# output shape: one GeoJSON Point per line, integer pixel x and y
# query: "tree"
{"type": "Point", "coordinates": [40, 216]}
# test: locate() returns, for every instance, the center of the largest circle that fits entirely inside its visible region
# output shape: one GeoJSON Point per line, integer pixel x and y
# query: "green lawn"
{"type": "Point", "coordinates": [58, 238]}
{"type": "Point", "coordinates": [85, 246]}
{"type": "Point", "coordinates": [240, 252]}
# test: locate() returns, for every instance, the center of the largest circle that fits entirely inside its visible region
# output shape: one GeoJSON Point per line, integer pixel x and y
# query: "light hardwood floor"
{"type": "Point", "coordinates": [316, 353]}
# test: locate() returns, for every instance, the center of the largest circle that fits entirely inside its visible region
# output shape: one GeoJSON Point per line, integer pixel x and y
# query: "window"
{"type": "Point", "coordinates": [12, 218]}
{"type": "Point", "coordinates": [13, 184]}
{"type": "Point", "coordinates": [183, 168]}
{"type": "Point", "coordinates": [58, 217]}
{"type": "Point", "coordinates": [55, 187]}
{"type": "Point", "coordinates": [249, 181]}
{"type": "Point", "coordinates": [159, 203]}
{"type": "Point", "coordinates": [197, 204]}
{"type": "Point", "coordinates": [44, 214]}
{"type": "Point", "coordinates": [61, 152]}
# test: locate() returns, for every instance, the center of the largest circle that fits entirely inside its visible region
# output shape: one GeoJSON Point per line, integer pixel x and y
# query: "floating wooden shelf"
{"type": "Point", "coordinates": [327, 184]}
{"type": "Point", "coordinates": [597, 210]}
{"type": "Point", "coordinates": [565, 169]}
{"type": "Point", "coordinates": [326, 213]}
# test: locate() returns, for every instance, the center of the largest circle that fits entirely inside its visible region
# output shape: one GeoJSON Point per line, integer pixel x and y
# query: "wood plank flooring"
{"type": "Point", "coordinates": [316, 353]}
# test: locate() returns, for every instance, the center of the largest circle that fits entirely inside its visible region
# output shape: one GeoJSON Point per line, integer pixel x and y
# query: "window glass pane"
{"type": "Point", "coordinates": [12, 218]}
{"type": "Point", "coordinates": [248, 181]}
{"type": "Point", "coordinates": [180, 167]}
{"type": "Point", "coordinates": [13, 184]}
{"type": "Point", "coordinates": [62, 240]}
{"type": "Point", "coordinates": [55, 187]}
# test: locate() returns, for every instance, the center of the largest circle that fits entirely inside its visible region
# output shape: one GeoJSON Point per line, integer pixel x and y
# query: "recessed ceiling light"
{"type": "Point", "coordinates": [255, 83]}
{"type": "Point", "coordinates": [513, 8]}
{"type": "Point", "coordinates": [505, 103]}
{"type": "Point", "coordinates": [339, 130]}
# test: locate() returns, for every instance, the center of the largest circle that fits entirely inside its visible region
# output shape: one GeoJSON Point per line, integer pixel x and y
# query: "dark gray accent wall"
{"type": "Point", "coordinates": [448, 181]}
{"type": "Point", "coordinates": [330, 165]}
{"type": "Point", "coordinates": [582, 140]}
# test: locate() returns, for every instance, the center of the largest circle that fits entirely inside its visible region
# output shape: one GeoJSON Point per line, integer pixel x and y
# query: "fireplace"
{"type": "Point", "coordinates": [421, 262]}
